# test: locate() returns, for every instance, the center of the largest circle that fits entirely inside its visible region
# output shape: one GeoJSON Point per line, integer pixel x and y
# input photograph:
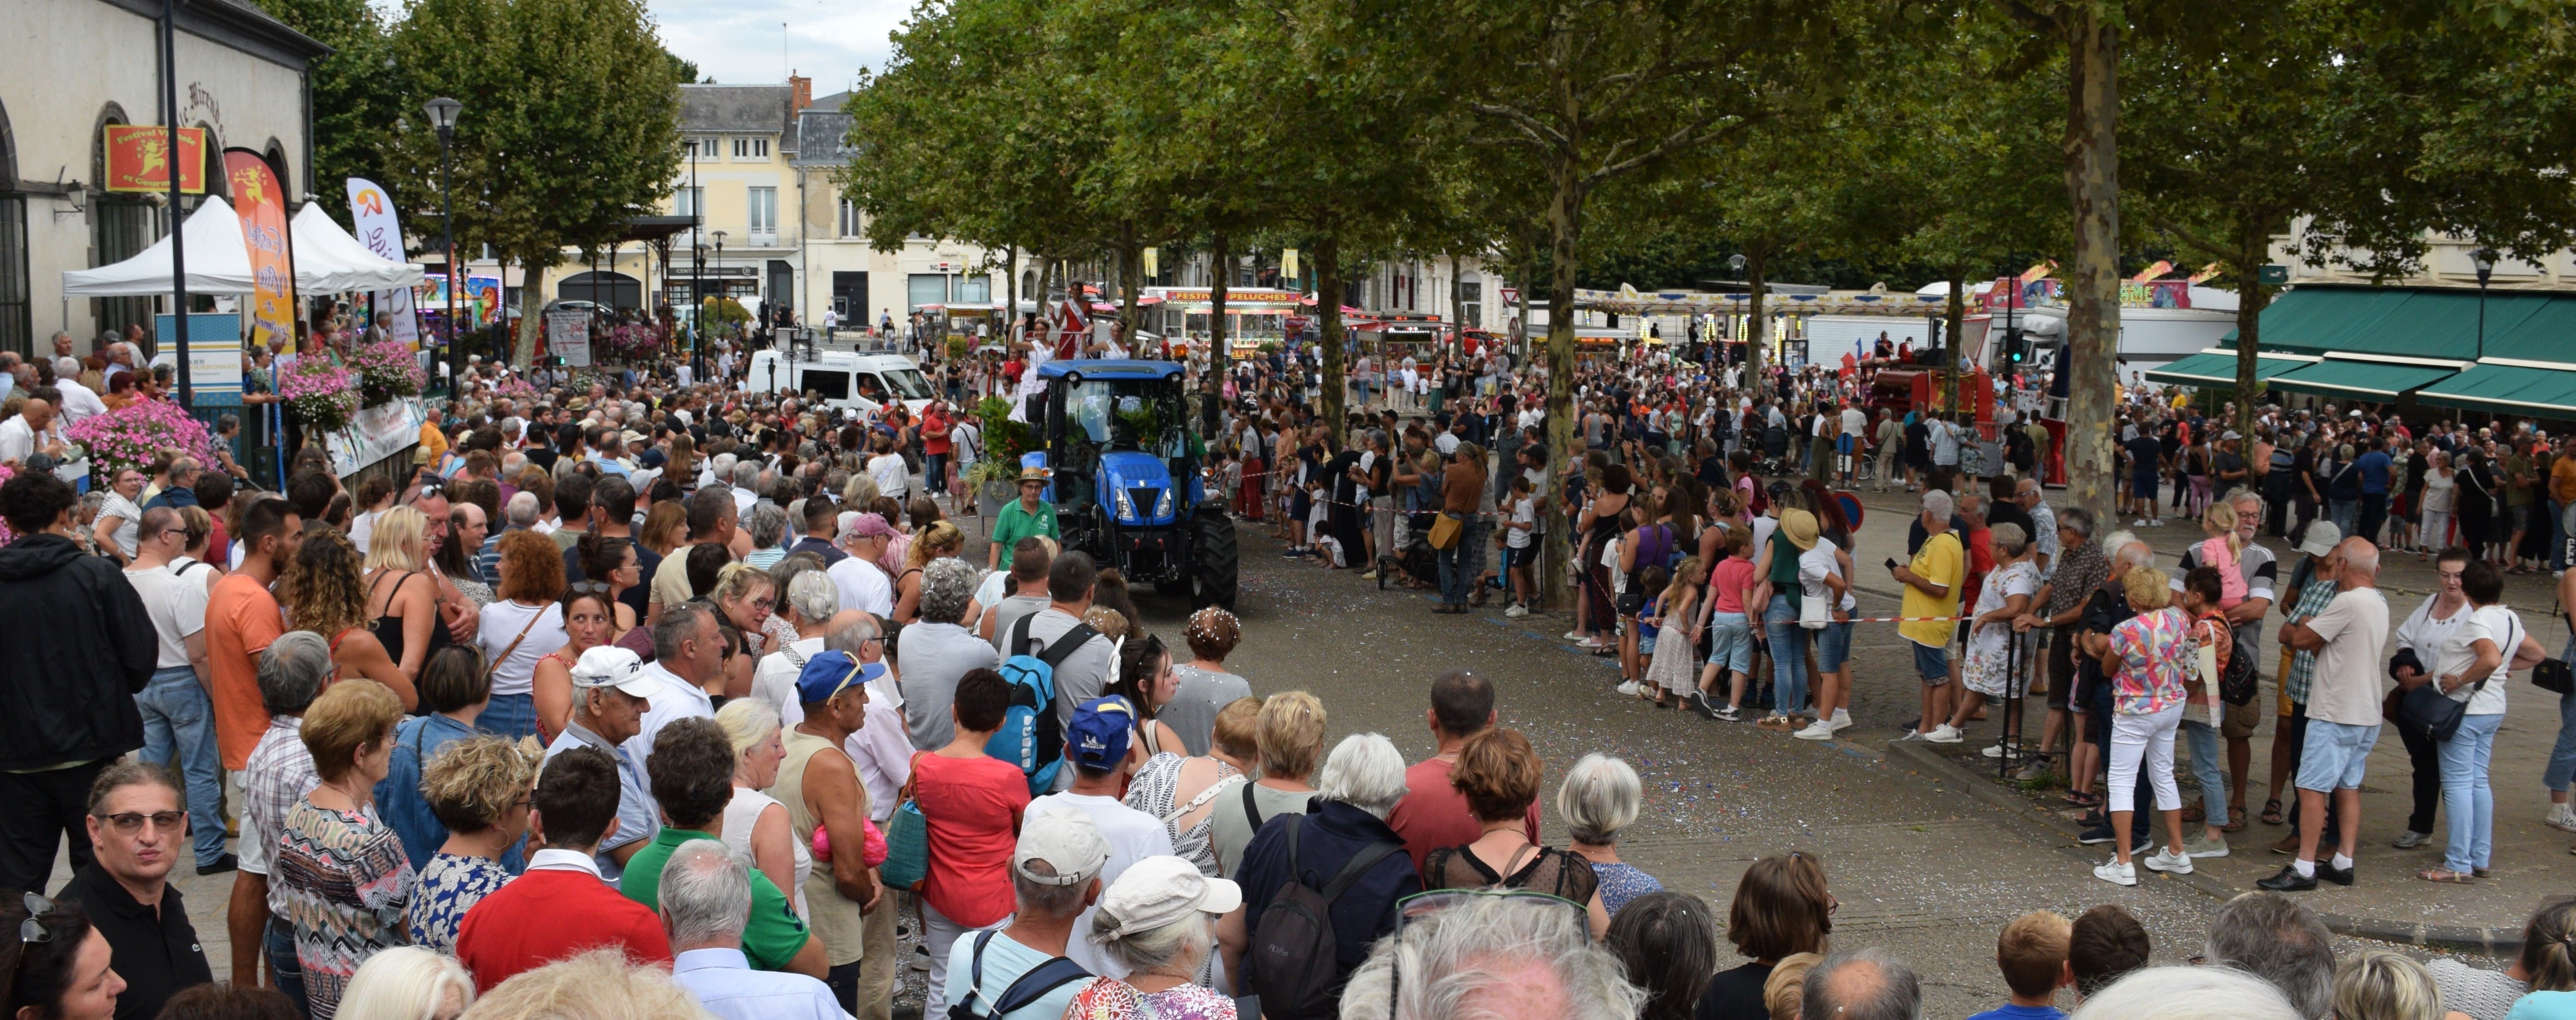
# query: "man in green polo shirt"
{"type": "Point", "coordinates": [1028, 515]}
{"type": "Point", "coordinates": [692, 773]}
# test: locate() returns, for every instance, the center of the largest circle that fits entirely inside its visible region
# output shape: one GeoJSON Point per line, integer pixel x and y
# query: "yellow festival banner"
{"type": "Point", "coordinates": [262, 206]}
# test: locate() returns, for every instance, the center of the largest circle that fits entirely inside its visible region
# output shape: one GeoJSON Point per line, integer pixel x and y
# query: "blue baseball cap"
{"type": "Point", "coordinates": [1098, 739]}
{"type": "Point", "coordinates": [827, 674]}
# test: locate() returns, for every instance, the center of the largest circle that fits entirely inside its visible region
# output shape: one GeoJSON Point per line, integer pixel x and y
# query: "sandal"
{"type": "Point", "coordinates": [2235, 823]}
{"type": "Point", "coordinates": [2439, 875]}
{"type": "Point", "coordinates": [2080, 798]}
{"type": "Point", "coordinates": [2272, 811]}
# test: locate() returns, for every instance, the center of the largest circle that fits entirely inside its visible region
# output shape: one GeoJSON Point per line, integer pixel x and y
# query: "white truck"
{"type": "Point", "coordinates": [861, 382]}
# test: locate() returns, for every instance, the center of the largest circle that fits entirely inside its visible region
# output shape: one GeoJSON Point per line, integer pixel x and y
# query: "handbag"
{"type": "Point", "coordinates": [907, 859]}
{"type": "Point", "coordinates": [2427, 712]}
{"type": "Point", "coordinates": [1445, 530]}
{"type": "Point", "coordinates": [2553, 675]}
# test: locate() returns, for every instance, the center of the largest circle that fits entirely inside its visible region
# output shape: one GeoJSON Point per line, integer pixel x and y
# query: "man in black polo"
{"type": "Point", "coordinates": [138, 830]}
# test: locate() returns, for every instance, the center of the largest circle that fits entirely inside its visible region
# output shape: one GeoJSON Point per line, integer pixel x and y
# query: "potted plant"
{"type": "Point", "coordinates": [387, 370]}
{"type": "Point", "coordinates": [993, 483]}
{"type": "Point", "coordinates": [323, 395]}
{"type": "Point", "coordinates": [130, 436]}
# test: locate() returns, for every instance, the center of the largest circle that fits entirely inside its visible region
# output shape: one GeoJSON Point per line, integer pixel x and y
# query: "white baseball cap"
{"type": "Point", "coordinates": [1158, 891]}
{"type": "Point", "coordinates": [611, 666]}
{"type": "Point", "coordinates": [1066, 839]}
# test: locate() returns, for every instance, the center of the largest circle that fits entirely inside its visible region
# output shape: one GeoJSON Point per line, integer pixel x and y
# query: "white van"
{"type": "Point", "coordinates": [858, 381]}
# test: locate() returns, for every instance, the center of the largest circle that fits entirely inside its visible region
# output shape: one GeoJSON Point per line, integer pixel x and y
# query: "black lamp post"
{"type": "Point", "coordinates": [2485, 261]}
{"type": "Point", "coordinates": [178, 238]}
{"type": "Point", "coordinates": [721, 288]}
{"type": "Point", "coordinates": [442, 115]}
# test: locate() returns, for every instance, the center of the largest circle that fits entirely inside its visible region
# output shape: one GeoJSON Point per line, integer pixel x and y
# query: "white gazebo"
{"type": "Point", "coordinates": [327, 260]}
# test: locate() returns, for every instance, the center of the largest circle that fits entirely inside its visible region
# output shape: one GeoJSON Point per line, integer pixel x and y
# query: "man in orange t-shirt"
{"type": "Point", "coordinates": [241, 619]}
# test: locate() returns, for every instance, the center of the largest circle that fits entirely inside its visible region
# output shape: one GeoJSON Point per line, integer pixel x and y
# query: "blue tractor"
{"type": "Point", "coordinates": [1129, 484]}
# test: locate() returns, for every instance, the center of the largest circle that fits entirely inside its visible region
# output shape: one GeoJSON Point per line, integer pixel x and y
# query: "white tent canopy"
{"type": "Point", "coordinates": [327, 260]}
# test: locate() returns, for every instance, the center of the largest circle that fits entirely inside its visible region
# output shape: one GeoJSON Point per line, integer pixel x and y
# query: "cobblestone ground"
{"type": "Point", "coordinates": [1921, 868]}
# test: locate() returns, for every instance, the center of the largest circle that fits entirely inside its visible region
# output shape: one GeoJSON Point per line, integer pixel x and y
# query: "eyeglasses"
{"type": "Point", "coordinates": [1425, 904]}
{"type": "Point", "coordinates": [32, 930]}
{"type": "Point", "coordinates": [131, 822]}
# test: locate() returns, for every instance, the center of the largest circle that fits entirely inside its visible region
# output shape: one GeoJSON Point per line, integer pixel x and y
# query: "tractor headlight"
{"type": "Point", "coordinates": [1126, 507]}
{"type": "Point", "coordinates": [1163, 504]}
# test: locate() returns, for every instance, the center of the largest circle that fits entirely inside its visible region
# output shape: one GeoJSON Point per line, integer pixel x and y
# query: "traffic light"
{"type": "Point", "coordinates": [2016, 346]}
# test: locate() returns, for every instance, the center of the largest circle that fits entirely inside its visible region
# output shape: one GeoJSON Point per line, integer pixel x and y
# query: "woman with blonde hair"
{"type": "Point", "coordinates": [323, 594]}
{"type": "Point", "coordinates": [938, 539]}
{"type": "Point", "coordinates": [664, 525]}
{"type": "Point", "coordinates": [746, 601]}
{"type": "Point", "coordinates": [755, 824]}
{"type": "Point", "coordinates": [405, 611]}
{"type": "Point", "coordinates": [2381, 985]}
{"type": "Point", "coordinates": [2149, 658]}
{"type": "Point", "coordinates": [408, 983]}
{"type": "Point", "coordinates": [479, 788]}
{"type": "Point", "coordinates": [597, 985]}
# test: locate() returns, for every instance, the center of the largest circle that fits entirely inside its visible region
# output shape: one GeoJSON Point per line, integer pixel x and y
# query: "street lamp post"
{"type": "Point", "coordinates": [178, 240]}
{"type": "Point", "coordinates": [2485, 261]}
{"type": "Point", "coordinates": [442, 115]}
{"type": "Point", "coordinates": [720, 293]}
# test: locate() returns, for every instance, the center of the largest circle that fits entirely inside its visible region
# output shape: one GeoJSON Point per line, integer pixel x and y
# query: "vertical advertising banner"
{"type": "Point", "coordinates": [262, 205]}
{"type": "Point", "coordinates": [382, 234]}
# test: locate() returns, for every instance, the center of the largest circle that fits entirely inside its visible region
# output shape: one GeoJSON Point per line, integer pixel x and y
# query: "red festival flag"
{"type": "Point", "coordinates": [262, 207]}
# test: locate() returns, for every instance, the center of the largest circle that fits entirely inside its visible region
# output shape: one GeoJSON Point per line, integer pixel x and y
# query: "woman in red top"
{"type": "Point", "coordinates": [972, 804]}
{"type": "Point", "coordinates": [935, 426]}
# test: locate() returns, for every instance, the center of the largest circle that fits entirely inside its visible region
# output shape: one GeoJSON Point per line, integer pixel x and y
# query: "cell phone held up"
{"type": "Point", "coordinates": [1891, 563]}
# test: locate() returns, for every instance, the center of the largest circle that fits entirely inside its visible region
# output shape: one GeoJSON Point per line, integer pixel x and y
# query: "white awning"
{"type": "Point", "coordinates": [327, 260]}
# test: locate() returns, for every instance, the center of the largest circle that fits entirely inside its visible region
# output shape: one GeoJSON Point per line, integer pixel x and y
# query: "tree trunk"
{"type": "Point", "coordinates": [1457, 307]}
{"type": "Point", "coordinates": [1328, 302]}
{"type": "Point", "coordinates": [532, 303]}
{"type": "Point", "coordinates": [1010, 295]}
{"type": "Point", "coordinates": [2093, 302]}
{"type": "Point", "coordinates": [2251, 299]}
{"type": "Point", "coordinates": [1958, 312]}
{"type": "Point", "coordinates": [1219, 274]}
{"type": "Point", "coordinates": [1211, 411]}
{"type": "Point", "coordinates": [1565, 233]}
{"type": "Point", "coordinates": [1131, 284]}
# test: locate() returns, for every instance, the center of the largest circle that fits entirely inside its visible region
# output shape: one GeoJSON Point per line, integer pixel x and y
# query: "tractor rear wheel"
{"type": "Point", "coordinates": [1212, 558]}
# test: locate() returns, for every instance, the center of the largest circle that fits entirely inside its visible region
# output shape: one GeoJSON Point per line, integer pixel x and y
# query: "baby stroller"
{"type": "Point", "coordinates": [1775, 450]}
{"type": "Point", "coordinates": [1414, 557]}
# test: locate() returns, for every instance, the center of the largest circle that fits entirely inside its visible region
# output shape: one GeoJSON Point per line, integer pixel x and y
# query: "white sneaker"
{"type": "Point", "coordinates": [1945, 734]}
{"type": "Point", "coordinates": [2116, 873]}
{"type": "Point", "coordinates": [2562, 817]}
{"type": "Point", "coordinates": [1574, 635]}
{"type": "Point", "coordinates": [1631, 688]}
{"type": "Point", "coordinates": [1516, 611]}
{"type": "Point", "coordinates": [2170, 860]}
{"type": "Point", "coordinates": [2158, 522]}
{"type": "Point", "coordinates": [1817, 730]}
{"type": "Point", "coordinates": [1842, 719]}
{"type": "Point", "coordinates": [1998, 751]}
{"type": "Point", "coordinates": [2139, 523]}
{"type": "Point", "coordinates": [1370, 576]}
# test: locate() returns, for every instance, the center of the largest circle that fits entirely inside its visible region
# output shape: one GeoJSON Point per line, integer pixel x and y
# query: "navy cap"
{"type": "Point", "coordinates": [1098, 739]}
{"type": "Point", "coordinates": [827, 674]}
{"type": "Point", "coordinates": [653, 458]}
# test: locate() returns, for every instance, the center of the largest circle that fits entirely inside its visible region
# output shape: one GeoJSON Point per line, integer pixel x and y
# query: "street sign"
{"type": "Point", "coordinates": [1511, 295]}
{"type": "Point", "coordinates": [2273, 275]}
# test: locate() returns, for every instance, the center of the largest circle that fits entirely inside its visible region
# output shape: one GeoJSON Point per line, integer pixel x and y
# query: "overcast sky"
{"type": "Point", "coordinates": [754, 42]}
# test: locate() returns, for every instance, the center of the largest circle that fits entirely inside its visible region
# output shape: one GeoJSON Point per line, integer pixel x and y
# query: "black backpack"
{"type": "Point", "coordinates": [1029, 987]}
{"type": "Point", "coordinates": [1294, 965]}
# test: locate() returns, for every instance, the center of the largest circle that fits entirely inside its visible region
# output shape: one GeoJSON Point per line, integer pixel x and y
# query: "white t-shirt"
{"type": "Point", "coordinates": [1132, 835]}
{"type": "Point", "coordinates": [1814, 566]}
{"type": "Point", "coordinates": [178, 608]}
{"type": "Point", "coordinates": [678, 699]}
{"type": "Point", "coordinates": [1525, 512]}
{"type": "Point", "coordinates": [1854, 422]}
{"type": "Point", "coordinates": [864, 586]}
{"type": "Point", "coordinates": [892, 476]}
{"type": "Point", "coordinates": [502, 621]}
{"type": "Point", "coordinates": [2495, 624]}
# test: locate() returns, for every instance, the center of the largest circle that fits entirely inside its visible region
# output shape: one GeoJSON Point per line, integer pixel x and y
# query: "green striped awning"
{"type": "Point", "coordinates": [2366, 380]}
{"type": "Point", "coordinates": [2218, 368]}
{"type": "Point", "coordinates": [2507, 389]}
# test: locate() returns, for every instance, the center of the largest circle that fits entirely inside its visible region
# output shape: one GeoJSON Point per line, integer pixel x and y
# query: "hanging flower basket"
{"type": "Point", "coordinates": [633, 341]}
{"type": "Point", "coordinates": [323, 395]}
{"type": "Point", "coordinates": [130, 436]}
{"type": "Point", "coordinates": [387, 371]}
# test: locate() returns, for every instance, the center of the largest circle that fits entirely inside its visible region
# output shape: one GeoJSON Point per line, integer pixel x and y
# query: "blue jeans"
{"type": "Point", "coordinates": [1454, 575]}
{"type": "Point", "coordinates": [2346, 515]}
{"type": "Point", "coordinates": [2468, 802]}
{"type": "Point", "coordinates": [1788, 656]}
{"type": "Point", "coordinates": [2205, 766]}
{"type": "Point", "coordinates": [509, 715]}
{"type": "Point", "coordinates": [179, 722]}
{"type": "Point", "coordinates": [2562, 757]}
{"type": "Point", "coordinates": [282, 963]}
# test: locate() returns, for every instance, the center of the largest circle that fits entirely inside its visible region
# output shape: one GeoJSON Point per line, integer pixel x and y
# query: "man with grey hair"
{"type": "Point", "coordinates": [1020, 972]}
{"type": "Point", "coordinates": [1497, 958]}
{"type": "Point", "coordinates": [938, 649]}
{"type": "Point", "coordinates": [2343, 714]}
{"type": "Point", "coordinates": [280, 772]}
{"type": "Point", "coordinates": [1864, 984]}
{"type": "Point", "coordinates": [1932, 586]}
{"type": "Point", "coordinates": [1343, 841]}
{"type": "Point", "coordinates": [78, 401]}
{"type": "Point", "coordinates": [704, 898]}
{"type": "Point", "coordinates": [744, 477]}
{"type": "Point", "coordinates": [2271, 937]}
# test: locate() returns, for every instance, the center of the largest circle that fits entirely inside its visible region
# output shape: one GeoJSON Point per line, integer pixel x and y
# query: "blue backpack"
{"type": "Point", "coordinates": [1031, 736]}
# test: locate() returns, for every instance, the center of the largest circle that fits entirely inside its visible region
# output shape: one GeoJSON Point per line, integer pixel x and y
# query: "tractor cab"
{"type": "Point", "coordinates": [1127, 483]}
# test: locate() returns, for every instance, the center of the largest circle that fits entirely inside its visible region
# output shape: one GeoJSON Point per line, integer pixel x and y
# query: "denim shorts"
{"type": "Point", "coordinates": [1730, 641]}
{"type": "Point", "coordinates": [2335, 755]}
{"type": "Point", "coordinates": [1833, 647]}
{"type": "Point", "coordinates": [1931, 663]}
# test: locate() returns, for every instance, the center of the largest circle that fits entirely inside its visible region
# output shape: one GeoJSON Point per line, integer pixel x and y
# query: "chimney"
{"type": "Point", "coordinates": [801, 93]}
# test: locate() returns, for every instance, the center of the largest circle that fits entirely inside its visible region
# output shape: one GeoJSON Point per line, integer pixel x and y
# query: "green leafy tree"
{"type": "Point", "coordinates": [571, 126]}
{"type": "Point", "coordinates": [357, 89]}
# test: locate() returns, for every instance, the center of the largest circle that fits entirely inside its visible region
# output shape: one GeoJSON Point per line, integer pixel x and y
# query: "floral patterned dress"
{"type": "Point", "coordinates": [1112, 999]}
{"type": "Point", "coordinates": [345, 884]}
{"type": "Point", "coordinates": [450, 885]}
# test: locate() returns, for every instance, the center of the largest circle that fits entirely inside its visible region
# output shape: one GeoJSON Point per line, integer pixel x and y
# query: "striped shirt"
{"type": "Point", "coordinates": [346, 885]}
{"type": "Point", "coordinates": [2313, 599]}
